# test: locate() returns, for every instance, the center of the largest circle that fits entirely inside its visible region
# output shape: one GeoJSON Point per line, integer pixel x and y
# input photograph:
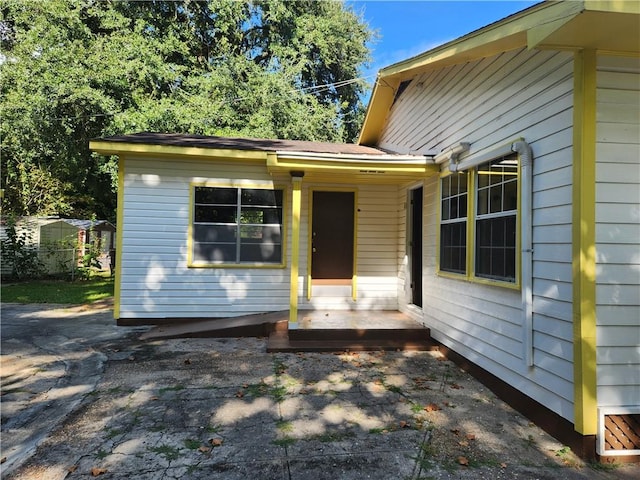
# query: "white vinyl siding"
{"type": "Point", "coordinates": [156, 282]}
{"type": "Point", "coordinates": [618, 231]}
{"type": "Point", "coordinates": [489, 103]}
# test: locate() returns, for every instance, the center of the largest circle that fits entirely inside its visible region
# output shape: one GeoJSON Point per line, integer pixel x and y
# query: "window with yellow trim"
{"type": "Point", "coordinates": [490, 224]}
{"type": "Point", "coordinates": [453, 223]}
{"type": "Point", "coordinates": [237, 226]}
{"type": "Point", "coordinates": [496, 212]}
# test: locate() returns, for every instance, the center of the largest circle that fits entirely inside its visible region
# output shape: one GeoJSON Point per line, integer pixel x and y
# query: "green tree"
{"type": "Point", "coordinates": [73, 70]}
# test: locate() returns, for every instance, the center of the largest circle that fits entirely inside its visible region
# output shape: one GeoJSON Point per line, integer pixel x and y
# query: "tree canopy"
{"type": "Point", "coordinates": [73, 70]}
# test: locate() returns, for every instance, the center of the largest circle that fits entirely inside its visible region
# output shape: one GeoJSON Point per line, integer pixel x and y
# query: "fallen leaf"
{"type": "Point", "coordinates": [463, 443]}
{"type": "Point", "coordinates": [204, 449]}
{"type": "Point", "coordinates": [72, 468]}
{"type": "Point", "coordinates": [95, 471]}
{"type": "Point", "coordinates": [216, 442]}
{"type": "Point", "coordinates": [3, 459]}
{"type": "Point", "coordinates": [503, 465]}
{"type": "Point", "coordinates": [432, 407]}
{"type": "Point", "coordinates": [154, 398]}
{"type": "Point", "coordinates": [404, 424]}
{"type": "Point", "coordinates": [245, 385]}
{"type": "Point", "coordinates": [455, 386]}
{"type": "Point", "coordinates": [463, 461]}
{"type": "Point", "coordinates": [239, 394]}
{"type": "Point", "coordinates": [471, 436]}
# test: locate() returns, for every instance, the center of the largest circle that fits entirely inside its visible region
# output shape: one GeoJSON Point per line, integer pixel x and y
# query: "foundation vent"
{"type": "Point", "coordinates": [619, 431]}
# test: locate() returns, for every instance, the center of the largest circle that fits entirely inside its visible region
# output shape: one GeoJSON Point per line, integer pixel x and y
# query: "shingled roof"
{"type": "Point", "coordinates": [231, 143]}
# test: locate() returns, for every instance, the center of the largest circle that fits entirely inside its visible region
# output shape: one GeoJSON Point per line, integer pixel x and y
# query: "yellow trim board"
{"type": "Point", "coordinates": [119, 148]}
{"type": "Point", "coordinates": [584, 248]}
{"type": "Point", "coordinates": [296, 203]}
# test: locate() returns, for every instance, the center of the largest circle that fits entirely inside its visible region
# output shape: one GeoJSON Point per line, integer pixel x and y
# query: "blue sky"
{"type": "Point", "coordinates": [407, 28]}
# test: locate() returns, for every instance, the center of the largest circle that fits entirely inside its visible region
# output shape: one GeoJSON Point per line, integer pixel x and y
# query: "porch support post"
{"type": "Point", "coordinates": [296, 201]}
{"type": "Point", "coordinates": [584, 243]}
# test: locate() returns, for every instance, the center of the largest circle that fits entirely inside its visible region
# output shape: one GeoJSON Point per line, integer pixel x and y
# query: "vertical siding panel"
{"type": "Point", "coordinates": [618, 231]}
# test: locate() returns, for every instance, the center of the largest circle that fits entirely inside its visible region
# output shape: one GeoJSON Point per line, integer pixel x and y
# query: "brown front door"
{"type": "Point", "coordinates": [332, 235]}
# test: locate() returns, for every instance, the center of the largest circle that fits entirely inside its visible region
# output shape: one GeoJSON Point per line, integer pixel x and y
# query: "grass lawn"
{"type": "Point", "coordinates": [58, 291]}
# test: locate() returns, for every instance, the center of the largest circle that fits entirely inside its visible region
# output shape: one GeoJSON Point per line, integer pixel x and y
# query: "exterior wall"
{"type": "Point", "coordinates": [376, 236]}
{"type": "Point", "coordinates": [155, 279]}
{"type": "Point", "coordinates": [488, 103]}
{"type": "Point", "coordinates": [618, 231]}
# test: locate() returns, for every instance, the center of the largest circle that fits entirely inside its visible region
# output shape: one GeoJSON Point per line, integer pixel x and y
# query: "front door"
{"type": "Point", "coordinates": [332, 236]}
{"type": "Point", "coordinates": [415, 244]}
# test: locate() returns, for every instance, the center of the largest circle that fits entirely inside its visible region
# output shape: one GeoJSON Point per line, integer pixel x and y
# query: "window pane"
{"type": "Point", "coordinates": [214, 233]}
{"type": "Point", "coordinates": [462, 206]}
{"type": "Point", "coordinates": [251, 215]}
{"type": "Point", "coordinates": [495, 176]}
{"type": "Point", "coordinates": [483, 179]}
{"type": "Point", "coordinates": [455, 213]}
{"type": "Point", "coordinates": [453, 248]}
{"type": "Point", "coordinates": [483, 201]}
{"type": "Point", "coordinates": [495, 199]}
{"type": "Point", "coordinates": [261, 253]}
{"type": "Point", "coordinates": [445, 209]}
{"type": "Point", "coordinates": [261, 197]}
{"type": "Point", "coordinates": [205, 213]}
{"type": "Point", "coordinates": [495, 248]}
{"type": "Point", "coordinates": [259, 216]}
{"type": "Point", "coordinates": [511, 195]}
{"type": "Point", "coordinates": [214, 252]}
{"type": "Point", "coordinates": [256, 234]}
{"type": "Point", "coordinates": [215, 195]}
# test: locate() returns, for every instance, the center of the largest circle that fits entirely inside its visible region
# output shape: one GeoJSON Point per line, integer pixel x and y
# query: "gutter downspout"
{"type": "Point", "coordinates": [526, 208]}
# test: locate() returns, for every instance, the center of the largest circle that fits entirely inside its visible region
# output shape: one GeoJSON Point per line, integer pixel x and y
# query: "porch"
{"type": "Point", "coordinates": [315, 330]}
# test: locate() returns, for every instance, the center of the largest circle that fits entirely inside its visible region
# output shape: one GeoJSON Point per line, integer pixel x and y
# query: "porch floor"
{"type": "Point", "coordinates": [354, 320]}
{"type": "Point", "coordinates": [350, 330]}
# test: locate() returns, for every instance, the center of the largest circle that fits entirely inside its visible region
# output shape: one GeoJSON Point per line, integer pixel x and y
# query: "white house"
{"type": "Point", "coordinates": [493, 196]}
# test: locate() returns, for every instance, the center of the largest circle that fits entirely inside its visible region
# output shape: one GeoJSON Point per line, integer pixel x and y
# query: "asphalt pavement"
{"type": "Point", "coordinates": [83, 398]}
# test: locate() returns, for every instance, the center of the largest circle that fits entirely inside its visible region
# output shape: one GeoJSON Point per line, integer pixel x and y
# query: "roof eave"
{"type": "Point", "coordinates": [548, 25]}
{"type": "Point", "coordinates": [144, 149]}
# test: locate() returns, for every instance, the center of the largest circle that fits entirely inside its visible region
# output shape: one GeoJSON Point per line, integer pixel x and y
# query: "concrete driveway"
{"type": "Point", "coordinates": [83, 398]}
